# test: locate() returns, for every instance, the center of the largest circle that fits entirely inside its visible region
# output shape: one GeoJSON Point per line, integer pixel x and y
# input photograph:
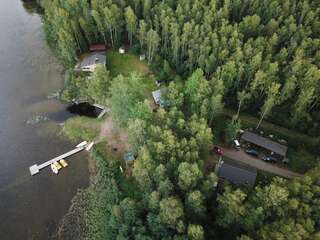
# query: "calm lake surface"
{"type": "Point", "coordinates": [31, 207]}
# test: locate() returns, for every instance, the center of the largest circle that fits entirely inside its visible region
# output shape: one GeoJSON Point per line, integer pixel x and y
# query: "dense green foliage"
{"type": "Point", "coordinates": [95, 88]}
{"type": "Point", "coordinates": [177, 200]}
{"type": "Point", "coordinates": [164, 209]}
{"type": "Point", "coordinates": [266, 52]}
{"type": "Point", "coordinates": [127, 95]}
{"type": "Point", "coordinates": [258, 55]}
{"type": "Point", "coordinates": [281, 210]}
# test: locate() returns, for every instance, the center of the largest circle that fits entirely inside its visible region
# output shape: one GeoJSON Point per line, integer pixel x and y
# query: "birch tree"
{"type": "Point", "coordinates": [131, 23]}
{"type": "Point", "coordinates": [273, 97]}
{"type": "Point", "coordinates": [152, 43]}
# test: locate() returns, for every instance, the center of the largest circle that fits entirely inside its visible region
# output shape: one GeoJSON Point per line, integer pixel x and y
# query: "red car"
{"type": "Point", "coordinates": [217, 150]}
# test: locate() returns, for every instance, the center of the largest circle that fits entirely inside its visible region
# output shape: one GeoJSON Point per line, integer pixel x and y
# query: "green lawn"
{"type": "Point", "coordinates": [125, 64]}
{"type": "Point", "coordinates": [81, 128]}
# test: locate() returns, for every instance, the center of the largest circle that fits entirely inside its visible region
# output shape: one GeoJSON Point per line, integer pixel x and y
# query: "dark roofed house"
{"type": "Point", "coordinates": [89, 62]}
{"type": "Point", "coordinates": [236, 173]}
{"type": "Point", "coordinates": [265, 143]}
{"type": "Point", "coordinates": [97, 47]}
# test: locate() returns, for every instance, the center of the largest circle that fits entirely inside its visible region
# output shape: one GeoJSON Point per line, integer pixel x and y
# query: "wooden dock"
{"type": "Point", "coordinates": [103, 108]}
{"type": "Point", "coordinates": [34, 169]}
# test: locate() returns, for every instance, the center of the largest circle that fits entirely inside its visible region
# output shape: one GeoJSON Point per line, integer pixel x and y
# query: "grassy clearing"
{"type": "Point", "coordinates": [81, 128]}
{"type": "Point", "coordinates": [125, 64]}
{"type": "Point", "coordinates": [128, 63]}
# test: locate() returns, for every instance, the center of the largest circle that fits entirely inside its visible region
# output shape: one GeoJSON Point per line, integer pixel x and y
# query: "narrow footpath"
{"type": "Point", "coordinates": [241, 156]}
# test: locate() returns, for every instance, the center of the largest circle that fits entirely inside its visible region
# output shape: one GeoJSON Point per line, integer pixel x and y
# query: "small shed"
{"type": "Point", "coordinates": [129, 157]}
{"type": "Point", "coordinates": [157, 96]}
{"type": "Point", "coordinates": [142, 57]}
{"type": "Point", "coordinates": [265, 143]}
{"type": "Point", "coordinates": [90, 62]}
{"type": "Point", "coordinates": [236, 173]}
{"type": "Point", "coordinates": [122, 50]}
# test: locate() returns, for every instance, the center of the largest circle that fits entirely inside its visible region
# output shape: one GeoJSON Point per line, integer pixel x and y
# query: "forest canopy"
{"type": "Point", "coordinates": [258, 56]}
{"type": "Point", "coordinates": [266, 52]}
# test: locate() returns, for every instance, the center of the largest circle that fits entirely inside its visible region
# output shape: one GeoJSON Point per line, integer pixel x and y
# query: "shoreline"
{"type": "Point", "coordinates": [71, 225]}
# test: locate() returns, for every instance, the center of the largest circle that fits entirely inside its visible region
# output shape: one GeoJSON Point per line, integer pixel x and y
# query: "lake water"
{"type": "Point", "coordinates": [31, 207]}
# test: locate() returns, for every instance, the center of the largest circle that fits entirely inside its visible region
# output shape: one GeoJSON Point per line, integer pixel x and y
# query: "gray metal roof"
{"type": "Point", "coordinates": [265, 143]}
{"type": "Point", "coordinates": [92, 59]}
{"type": "Point", "coordinates": [128, 157]}
{"type": "Point", "coordinates": [157, 96]}
{"type": "Point", "coordinates": [237, 174]}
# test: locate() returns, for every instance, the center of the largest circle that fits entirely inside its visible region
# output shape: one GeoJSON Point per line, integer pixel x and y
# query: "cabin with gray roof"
{"type": "Point", "coordinates": [235, 173]}
{"type": "Point", "coordinates": [266, 143]}
{"type": "Point", "coordinates": [158, 97]}
{"type": "Point", "coordinates": [90, 62]}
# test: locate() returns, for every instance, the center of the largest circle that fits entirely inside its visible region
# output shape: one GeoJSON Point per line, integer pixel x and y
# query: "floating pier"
{"type": "Point", "coordinates": [34, 169]}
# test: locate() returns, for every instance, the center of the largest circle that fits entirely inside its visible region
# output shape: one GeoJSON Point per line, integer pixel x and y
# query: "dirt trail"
{"type": "Point", "coordinates": [116, 138]}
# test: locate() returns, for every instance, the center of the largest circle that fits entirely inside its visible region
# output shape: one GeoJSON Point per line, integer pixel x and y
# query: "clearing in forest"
{"type": "Point", "coordinates": [125, 64]}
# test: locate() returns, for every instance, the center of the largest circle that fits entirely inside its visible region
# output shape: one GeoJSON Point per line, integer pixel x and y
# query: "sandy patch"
{"type": "Point", "coordinates": [116, 137]}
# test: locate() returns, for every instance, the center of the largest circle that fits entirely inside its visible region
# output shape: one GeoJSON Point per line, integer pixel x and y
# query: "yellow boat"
{"type": "Point", "coordinates": [57, 165]}
{"type": "Point", "coordinates": [63, 163]}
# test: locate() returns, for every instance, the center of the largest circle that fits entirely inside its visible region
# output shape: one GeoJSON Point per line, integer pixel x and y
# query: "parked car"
{"type": "Point", "coordinates": [236, 144]}
{"type": "Point", "coordinates": [269, 159]}
{"type": "Point", "coordinates": [217, 150]}
{"type": "Point", "coordinates": [252, 152]}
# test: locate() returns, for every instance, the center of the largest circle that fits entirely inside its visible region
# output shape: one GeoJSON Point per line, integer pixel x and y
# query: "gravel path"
{"type": "Point", "coordinates": [241, 156]}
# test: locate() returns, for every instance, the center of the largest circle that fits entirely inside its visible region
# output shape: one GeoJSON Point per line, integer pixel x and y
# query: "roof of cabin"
{"type": "Point", "coordinates": [237, 174]}
{"type": "Point", "coordinates": [265, 143]}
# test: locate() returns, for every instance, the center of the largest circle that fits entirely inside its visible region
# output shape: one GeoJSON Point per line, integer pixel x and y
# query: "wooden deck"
{"type": "Point", "coordinates": [103, 108]}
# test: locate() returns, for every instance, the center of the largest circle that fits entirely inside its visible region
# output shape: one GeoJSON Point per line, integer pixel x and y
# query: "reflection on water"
{"type": "Point", "coordinates": [30, 207]}
{"type": "Point", "coordinates": [84, 109]}
{"type": "Point", "coordinates": [31, 6]}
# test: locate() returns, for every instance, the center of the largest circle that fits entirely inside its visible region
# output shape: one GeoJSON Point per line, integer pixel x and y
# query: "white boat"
{"type": "Point", "coordinates": [90, 145]}
{"type": "Point", "coordinates": [82, 144]}
{"type": "Point", "coordinates": [54, 169]}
